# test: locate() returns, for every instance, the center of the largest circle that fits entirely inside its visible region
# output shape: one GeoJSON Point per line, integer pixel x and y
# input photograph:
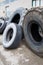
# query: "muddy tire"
{"type": "Point", "coordinates": [2, 25]}
{"type": "Point", "coordinates": [33, 30]}
{"type": "Point", "coordinates": [18, 16]}
{"type": "Point", "coordinates": [12, 36]}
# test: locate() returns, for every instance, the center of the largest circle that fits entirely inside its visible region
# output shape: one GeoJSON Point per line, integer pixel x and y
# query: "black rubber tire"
{"type": "Point", "coordinates": [2, 25]}
{"type": "Point", "coordinates": [18, 16]}
{"type": "Point", "coordinates": [12, 36]}
{"type": "Point", "coordinates": [33, 21]}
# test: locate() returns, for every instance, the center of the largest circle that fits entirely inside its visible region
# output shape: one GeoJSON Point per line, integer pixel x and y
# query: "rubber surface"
{"type": "Point", "coordinates": [34, 17]}
{"type": "Point", "coordinates": [12, 36]}
{"type": "Point", "coordinates": [18, 16]}
{"type": "Point", "coordinates": [2, 25]}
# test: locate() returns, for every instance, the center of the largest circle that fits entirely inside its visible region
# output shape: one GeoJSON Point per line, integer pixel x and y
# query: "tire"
{"type": "Point", "coordinates": [18, 16]}
{"type": "Point", "coordinates": [12, 36]}
{"type": "Point", "coordinates": [2, 25]}
{"type": "Point", "coordinates": [33, 30]}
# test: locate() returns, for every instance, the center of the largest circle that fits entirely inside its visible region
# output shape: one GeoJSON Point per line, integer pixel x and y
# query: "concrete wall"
{"type": "Point", "coordinates": [2, 12]}
{"type": "Point", "coordinates": [16, 4]}
{"type": "Point", "coordinates": [21, 3]}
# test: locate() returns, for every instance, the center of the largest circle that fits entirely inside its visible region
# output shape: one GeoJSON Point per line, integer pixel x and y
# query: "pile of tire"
{"type": "Point", "coordinates": [13, 32]}
{"type": "Point", "coordinates": [27, 22]}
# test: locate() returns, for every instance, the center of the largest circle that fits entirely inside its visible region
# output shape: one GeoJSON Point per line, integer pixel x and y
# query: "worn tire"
{"type": "Point", "coordinates": [33, 30]}
{"type": "Point", "coordinates": [18, 16]}
{"type": "Point", "coordinates": [12, 36]}
{"type": "Point", "coordinates": [2, 25]}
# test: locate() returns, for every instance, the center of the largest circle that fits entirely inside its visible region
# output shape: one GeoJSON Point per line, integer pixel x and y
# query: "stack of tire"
{"type": "Point", "coordinates": [13, 32]}
{"type": "Point", "coordinates": [29, 23]}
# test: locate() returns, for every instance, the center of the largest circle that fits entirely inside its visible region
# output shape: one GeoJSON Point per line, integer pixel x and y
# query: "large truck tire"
{"type": "Point", "coordinates": [18, 16]}
{"type": "Point", "coordinates": [12, 36]}
{"type": "Point", "coordinates": [2, 25]}
{"type": "Point", "coordinates": [33, 30]}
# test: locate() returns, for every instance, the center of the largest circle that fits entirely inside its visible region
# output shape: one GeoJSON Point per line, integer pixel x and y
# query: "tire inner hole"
{"type": "Point", "coordinates": [16, 18]}
{"type": "Point", "coordinates": [0, 24]}
{"type": "Point", "coordinates": [9, 35]}
{"type": "Point", "coordinates": [35, 32]}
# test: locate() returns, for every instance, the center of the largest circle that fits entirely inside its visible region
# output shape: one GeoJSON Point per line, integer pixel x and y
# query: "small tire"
{"type": "Point", "coordinates": [2, 25]}
{"type": "Point", "coordinates": [18, 16]}
{"type": "Point", "coordinates": [12, 36]}
{"type": "Point", "coordinates": [33, 31]}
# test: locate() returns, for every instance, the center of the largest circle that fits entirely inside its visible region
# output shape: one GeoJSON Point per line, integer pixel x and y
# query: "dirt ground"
{"type": "Point", "coordinates": [19, 56]}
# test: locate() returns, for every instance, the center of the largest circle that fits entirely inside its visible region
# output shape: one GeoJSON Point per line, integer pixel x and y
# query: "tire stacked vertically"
{"type": "Point", "coordinates": [12, 36]}
{"type": "Point", "coordinates": [2, 25]}
{"type": "Point", "coordinates": [29, 23]}
{"type": "Point", "coordinates": [18, 16]}
{"type": "Point", "coordinates": [33, 30]}
{"type": "Point", "coordinates": [13, 33]}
